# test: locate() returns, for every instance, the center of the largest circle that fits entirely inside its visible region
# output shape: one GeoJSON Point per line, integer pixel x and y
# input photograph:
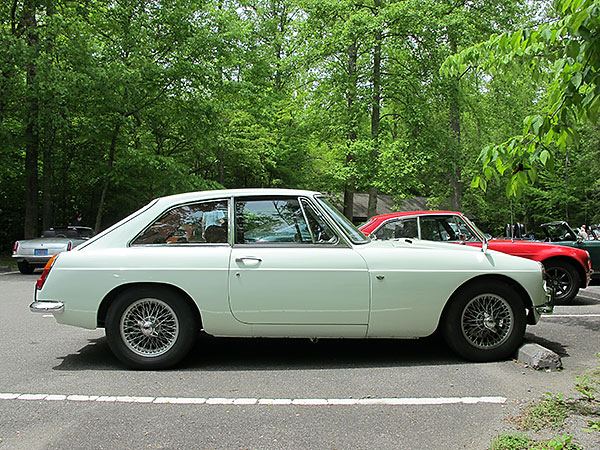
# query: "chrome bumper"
{"type": "Point", "coordinates": [548, 307]}
{"type": "Point", "coordinates": [47, 307]}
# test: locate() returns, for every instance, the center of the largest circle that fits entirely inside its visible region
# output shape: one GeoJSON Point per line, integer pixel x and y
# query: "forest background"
{"type": "Point", "coordinates": [106, 104]}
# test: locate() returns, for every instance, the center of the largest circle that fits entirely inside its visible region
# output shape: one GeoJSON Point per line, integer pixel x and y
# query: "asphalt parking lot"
{"type": "Point", "coordinates": [60, 387]}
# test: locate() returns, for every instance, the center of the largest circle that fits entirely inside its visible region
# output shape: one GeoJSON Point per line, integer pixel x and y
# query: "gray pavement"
{"type": "Point", "coordinates": [41, 357]}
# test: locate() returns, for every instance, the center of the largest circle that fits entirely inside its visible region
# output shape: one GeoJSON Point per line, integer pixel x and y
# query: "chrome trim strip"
{"type": "Point", "coordinates": [47, 307]}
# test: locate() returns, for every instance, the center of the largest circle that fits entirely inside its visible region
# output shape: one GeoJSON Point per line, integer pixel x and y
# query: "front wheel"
{"type": "Point", "coordinates": [150, 328]}
{"type": "Point", "coordinates": [485, 322]}
{"type": "Point", "coordinates": [563, 279]}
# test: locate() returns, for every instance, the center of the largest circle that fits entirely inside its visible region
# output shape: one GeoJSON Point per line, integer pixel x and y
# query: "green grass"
{"type": "Point", "coordinates": [549, 412]}
{"type": "Point", "coordinates": [7, 261]}
{"type": "Point", "coordinates": [521, 442]}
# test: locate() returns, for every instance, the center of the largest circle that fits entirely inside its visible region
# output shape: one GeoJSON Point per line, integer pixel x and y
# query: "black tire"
{"type": "Point", "coordinates": [150, 328]}
{"type": "Point", "coordinates": [564, 279]}
{"type": "Point", "coordinates": [485, 321]}
{"type": "Point", "coordinates": [25, 268]}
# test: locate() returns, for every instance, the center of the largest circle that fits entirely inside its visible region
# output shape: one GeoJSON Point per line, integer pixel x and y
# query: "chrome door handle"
{"type": "Point", "coordinates": [242, 259]}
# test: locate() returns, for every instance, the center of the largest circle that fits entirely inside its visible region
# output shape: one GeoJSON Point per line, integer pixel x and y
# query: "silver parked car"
{"type": "Point", "coordinates": [33, 253]}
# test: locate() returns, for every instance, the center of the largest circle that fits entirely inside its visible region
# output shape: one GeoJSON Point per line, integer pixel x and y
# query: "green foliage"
{"type": "Point", "coordinates": [521, 442]}
{"type": "Point", "coordinates": [134, 99]}
{"type": "Point", "coordinates": [551, 411]}
{"type": "Point", "coordinates": [562, 55]}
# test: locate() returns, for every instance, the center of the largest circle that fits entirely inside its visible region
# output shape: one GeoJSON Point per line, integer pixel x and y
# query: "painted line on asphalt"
{"type": "Point", "coordinates": [550, 316]}
{"type": "Point", "coordinates": [392, 401]}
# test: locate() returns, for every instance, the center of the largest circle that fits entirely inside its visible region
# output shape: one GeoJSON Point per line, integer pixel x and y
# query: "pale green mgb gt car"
{"type": "Point", "coordinates": [282, 263]}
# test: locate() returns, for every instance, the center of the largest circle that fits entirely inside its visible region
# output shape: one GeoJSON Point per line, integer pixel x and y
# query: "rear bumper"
{"type": "Point", "coordinates": [47, 307]}
{"type": "Point", "coordinates": [35, 261]}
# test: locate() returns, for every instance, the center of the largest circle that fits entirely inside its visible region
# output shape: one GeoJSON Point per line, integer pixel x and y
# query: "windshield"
{"type": "Point", "coordinates": [353, 233]}
{"type": "Point", "coordinates": [558, 232]}
{"type": "Point", "coordinates": [481, 234]}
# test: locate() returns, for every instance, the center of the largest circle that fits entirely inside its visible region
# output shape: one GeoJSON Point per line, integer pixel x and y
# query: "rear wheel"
{"type": "Point", "coordinates": [563, 279]}
{"type": "Point", "coordinates": [25, 268]}
{"type": "Point", "coordinates": [150, 328]}
{"type": "Point", "coordinates": [485, 321]}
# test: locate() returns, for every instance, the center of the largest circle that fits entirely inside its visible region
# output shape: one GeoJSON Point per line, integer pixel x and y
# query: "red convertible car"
{"type": "Point", "coordinates": [568, 269]}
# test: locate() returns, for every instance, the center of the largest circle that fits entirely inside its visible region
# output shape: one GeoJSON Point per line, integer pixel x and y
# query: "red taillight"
{"type": "Point", "coordinates": [47, 267]}
{"type": "Point", "coordinates": [16, 247]}
{"type": "Point", "coordinates": [69, 246]}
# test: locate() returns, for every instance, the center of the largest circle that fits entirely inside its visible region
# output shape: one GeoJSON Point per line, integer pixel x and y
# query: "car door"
{"type": "Point", "coordinates": [289, 266]}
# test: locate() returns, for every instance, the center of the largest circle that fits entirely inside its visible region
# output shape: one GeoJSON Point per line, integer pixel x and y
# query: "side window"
{"type": "Point", "coordinates": [396, 229]}
{"type": "Point", "coordinates": [264, 221]}
{"type": "Point", "coordinates": [321, 233]}
{"type": "Point", "coordinates": [204, 222]}
{"type": "Point", "coordinates": [432, 229]}
{"type": "Point", "coordinates": [446, 228]}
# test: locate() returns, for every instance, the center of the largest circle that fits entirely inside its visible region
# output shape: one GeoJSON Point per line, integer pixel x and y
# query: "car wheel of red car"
{"type": "Point", "coordinates": [150, 328]}
{"type": "Point", "coordinates": [485, 321]}
{"type": "Point", "coordinates": [564, 279]}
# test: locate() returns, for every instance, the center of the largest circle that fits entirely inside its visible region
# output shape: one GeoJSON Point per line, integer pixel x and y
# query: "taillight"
{"type": "Point", "coordinates": [69, 246]}
{"type": "Point", "coordinates": [16, 247]}
{"type": "Point", "coordinates": [46, 271]}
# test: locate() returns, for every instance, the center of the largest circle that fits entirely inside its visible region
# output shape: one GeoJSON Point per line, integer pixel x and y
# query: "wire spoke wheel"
{"type": "Point", "coordinates": [149, 327]}
{"type": "Point", "coordinates": [487, 321]}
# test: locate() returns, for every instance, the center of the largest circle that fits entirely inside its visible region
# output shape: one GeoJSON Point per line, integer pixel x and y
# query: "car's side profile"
{"type": "Point", "coordinates": [281, 263]}
{"type": "Point", "coordinates": [568, 269]}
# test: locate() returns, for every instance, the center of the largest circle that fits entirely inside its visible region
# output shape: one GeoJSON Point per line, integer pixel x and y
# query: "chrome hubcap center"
{"type": "Point", "coordinates": [147, 328]}
{"type": "Point", "coordinates": [489, 323]}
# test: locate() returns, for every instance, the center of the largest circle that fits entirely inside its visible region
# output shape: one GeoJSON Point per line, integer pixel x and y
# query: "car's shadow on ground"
{"type": "Point", "coordinates": [556, 347]}
{"type": "Point", "coordinates": [239, 354]}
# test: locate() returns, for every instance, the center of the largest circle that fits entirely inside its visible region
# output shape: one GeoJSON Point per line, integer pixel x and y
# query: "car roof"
{"type": "Point", "coordinates": [220, 193]}
{"type": "Point", "coordinates": [411, 213]}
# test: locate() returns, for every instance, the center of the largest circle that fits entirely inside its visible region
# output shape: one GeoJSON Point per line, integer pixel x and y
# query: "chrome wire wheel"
{"type": "Point", "coordinates": [149, 327]}
{"type": "Point", "coordinates": [561, 281]}
{"type": "Point", "coordinates": [487, 321]}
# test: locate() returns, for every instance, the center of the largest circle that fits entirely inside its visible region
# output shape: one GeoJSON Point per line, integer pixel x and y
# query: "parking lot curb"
{"type": "Point", "coordinates": [540, 358]}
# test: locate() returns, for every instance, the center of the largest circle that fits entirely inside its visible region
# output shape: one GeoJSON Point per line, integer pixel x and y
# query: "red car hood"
{"type": "Point", "coordinates": [537, 251]}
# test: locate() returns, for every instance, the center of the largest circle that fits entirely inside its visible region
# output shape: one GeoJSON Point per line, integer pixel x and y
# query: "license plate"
{"type": "Point", "coordinates": [40, 252]}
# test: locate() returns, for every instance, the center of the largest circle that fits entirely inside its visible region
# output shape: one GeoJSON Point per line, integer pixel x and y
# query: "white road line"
{"type": "Point", "coordinates": [550, 316]}
{"type": "Point", "coordinates": [393, 401]}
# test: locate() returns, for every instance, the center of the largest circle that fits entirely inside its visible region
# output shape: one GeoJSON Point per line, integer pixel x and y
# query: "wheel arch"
{"type": "Point", "coordinates": [573, 262]}
{"type": "Point", "coordinates": [527, 302]}
{"type": "Point", "coordinates": [112, 295]}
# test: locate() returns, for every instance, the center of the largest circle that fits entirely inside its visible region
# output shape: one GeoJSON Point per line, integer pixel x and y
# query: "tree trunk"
{"type": "Point", "coordinates": [454, 112]}
{"type": "Point", "coordinates": [111, 160]}
{"type": "Point", "coordinates": [31, 130]}
{"type": "Point", "coordinates": [375, 111]}
{"type": "Point", "coordinates": [47, 188]}
{"type": "Point", "coordinates": [349, 188]}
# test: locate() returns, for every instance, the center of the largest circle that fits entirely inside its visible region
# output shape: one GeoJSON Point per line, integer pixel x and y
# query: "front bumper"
{"type": "Point", "coordinates": [47, 307]}
{"type": "Point", "coordinates": [548, 307]}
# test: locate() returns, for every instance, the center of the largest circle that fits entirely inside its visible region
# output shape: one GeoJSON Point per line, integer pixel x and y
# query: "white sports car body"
{"type": "Point", "coordinates": [282, 263]}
